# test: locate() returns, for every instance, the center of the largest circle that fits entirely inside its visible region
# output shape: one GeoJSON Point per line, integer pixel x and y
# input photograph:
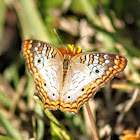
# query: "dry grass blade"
{"type": "Point", "coordinates": [18, 93]}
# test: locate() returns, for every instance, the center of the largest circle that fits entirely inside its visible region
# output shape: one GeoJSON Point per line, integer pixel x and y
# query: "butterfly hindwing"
{"type": "Point", "coordinates": [78, 88]}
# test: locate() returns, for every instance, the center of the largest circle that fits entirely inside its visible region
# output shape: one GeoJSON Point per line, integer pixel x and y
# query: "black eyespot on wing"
{"type": "Point", "coordinates": [45, 84]}
{"type": "Point", "coordinates": [82, 89]}
{"type": "Point", "coordinates": [69, 97]}
{"type": "Point", "coordinates": [97, 71]}
{"type": "Point", "coordinates": [39, 60]}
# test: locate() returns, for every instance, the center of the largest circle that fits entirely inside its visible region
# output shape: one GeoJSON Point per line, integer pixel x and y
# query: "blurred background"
{"type": "Point", "coordinates": [108, 26]}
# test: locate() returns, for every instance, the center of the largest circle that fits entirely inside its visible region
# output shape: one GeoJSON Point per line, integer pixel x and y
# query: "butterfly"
{"type": "Point", "coordinates": [65, 79]}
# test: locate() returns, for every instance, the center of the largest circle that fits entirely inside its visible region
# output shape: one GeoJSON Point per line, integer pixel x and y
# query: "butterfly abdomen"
{"type": "Point", "coordinates": [66, 63]}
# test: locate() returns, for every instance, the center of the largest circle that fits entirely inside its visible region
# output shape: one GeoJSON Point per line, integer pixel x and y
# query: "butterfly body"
{"type": "Point", "coordinates": [66, 65]}
{"type": "Point", "coordinates": [66, 79]}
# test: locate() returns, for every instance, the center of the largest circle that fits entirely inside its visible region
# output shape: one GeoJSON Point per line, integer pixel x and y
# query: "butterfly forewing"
{"type": "Point", "coordinates": [88, 72]}
{"type": "Point", "coordinates": [39, 54]}
{"type": "Point", "coordinates": [44, 61]}
{"type": "Point", "coordinates": [101, 67]}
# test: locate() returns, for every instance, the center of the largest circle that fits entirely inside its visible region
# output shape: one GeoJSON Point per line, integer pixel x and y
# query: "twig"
{"type": "Point", "coordinates": [128, 105]}
{"type": "Point", "coordinates": [93, 126]}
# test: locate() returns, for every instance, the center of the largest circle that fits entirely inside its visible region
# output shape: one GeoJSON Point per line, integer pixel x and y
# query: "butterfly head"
{"type": "Point", "coordinates": [67, 56]}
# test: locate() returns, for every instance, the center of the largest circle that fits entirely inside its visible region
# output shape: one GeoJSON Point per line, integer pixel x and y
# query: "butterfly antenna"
{"type": "Point", "coordinates": [79, 40]}
{"type": "Point", "coordinates": [58, 37]}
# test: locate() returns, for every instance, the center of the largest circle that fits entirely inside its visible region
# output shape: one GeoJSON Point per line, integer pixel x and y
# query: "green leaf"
{"type": "Point", "coordinates": [31, 22]}
{"type": "Point", "coordinates": [58, 130]}
{"type": "Point", "coordinates": [5, 138]}
{"type": "Point", "coordinates": [3, 9]}
{"type": "Point", "coordinates": [10, 129]}
{"type": "Point", "coordinates": [5, 100]}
